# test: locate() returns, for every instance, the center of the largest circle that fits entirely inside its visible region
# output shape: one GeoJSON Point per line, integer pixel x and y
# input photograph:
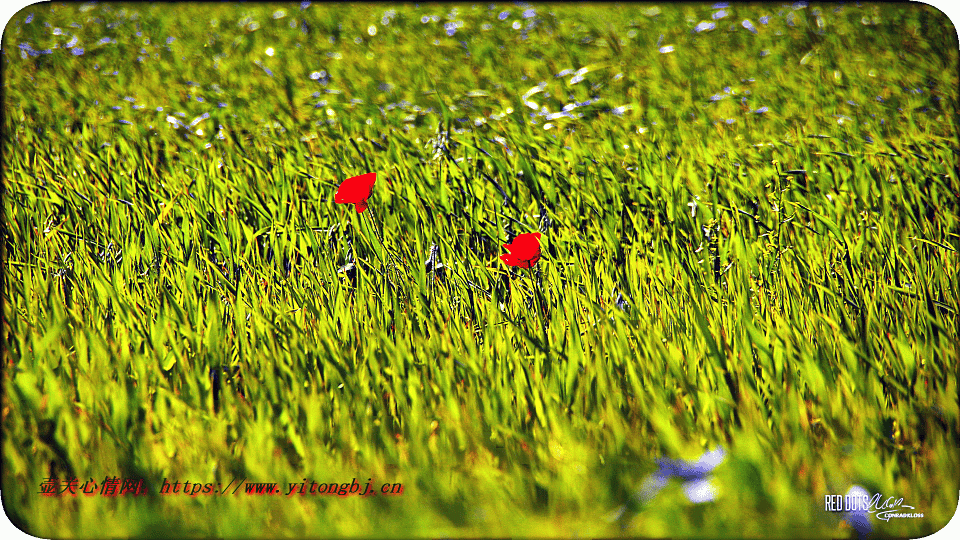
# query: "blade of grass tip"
{"type": "Point", "coordinates": [363, 154]}
{"type": "Point", "coordinates": [379, 247]}
{"type": "Point", "coordinates": [716, 352]}
{"type": "Point", "coordinates": [446, 115]}
{"type": "Point", "coordinates": [506, 198]}
{"type": "Point", "coordinates": [827, 222]}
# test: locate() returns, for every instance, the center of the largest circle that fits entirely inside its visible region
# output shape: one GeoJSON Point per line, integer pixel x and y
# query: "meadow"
{"type": "Point", "coordinates": [749, 228]}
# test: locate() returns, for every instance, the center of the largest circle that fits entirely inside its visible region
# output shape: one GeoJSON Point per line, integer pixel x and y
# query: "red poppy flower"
{"type": "Point", "coordinates": [356, 190]}
{"type": "Point", "coordinates": [524, 251]}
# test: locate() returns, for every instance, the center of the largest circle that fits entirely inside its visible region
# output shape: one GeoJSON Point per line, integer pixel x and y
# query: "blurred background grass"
{"type": "Point", "coordinates": [749, 231]}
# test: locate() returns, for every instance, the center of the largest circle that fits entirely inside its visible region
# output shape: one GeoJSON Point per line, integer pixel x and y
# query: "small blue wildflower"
{"type": "Point", "coordinates": [503, 15]}
{"type": "Point", "coordinates": [621, 302]}
{"type": "Point", "coordinates": [695, 475]}
{"type": "Point", "coordinates": [859, 520]}
{"type": "Point", "coordinates": [704, 26]}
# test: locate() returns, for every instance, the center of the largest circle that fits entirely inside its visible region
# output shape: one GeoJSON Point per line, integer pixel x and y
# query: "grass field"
{"type": "Point", "coordinates": [749, 222]}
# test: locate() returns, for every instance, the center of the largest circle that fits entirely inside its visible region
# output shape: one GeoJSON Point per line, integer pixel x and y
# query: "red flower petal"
{"type": "Point", "coordinates": [356, 190]}
{"type": "Point", "coordinates": [524, 251]}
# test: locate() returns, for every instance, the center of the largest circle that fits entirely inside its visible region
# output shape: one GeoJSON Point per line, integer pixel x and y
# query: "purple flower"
{"type": "Point", "coordinates": [860, 519]}
{"type": "Point", "coordinates": [695, 476]}
{"type": "Point", "coordinates": [529, 13]}
{"type": "Point", "coordinates": [704, 26]}
{"type": "Point", "coordinates": [503, 15]}
{"type": "Point", "coordinates": [26, 49]}
{"type": "Point", "coordinates": [691, 470]}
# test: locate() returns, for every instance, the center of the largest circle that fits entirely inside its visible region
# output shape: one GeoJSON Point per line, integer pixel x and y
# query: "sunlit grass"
{"type": "Point", "coordinates": [749, 239]}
